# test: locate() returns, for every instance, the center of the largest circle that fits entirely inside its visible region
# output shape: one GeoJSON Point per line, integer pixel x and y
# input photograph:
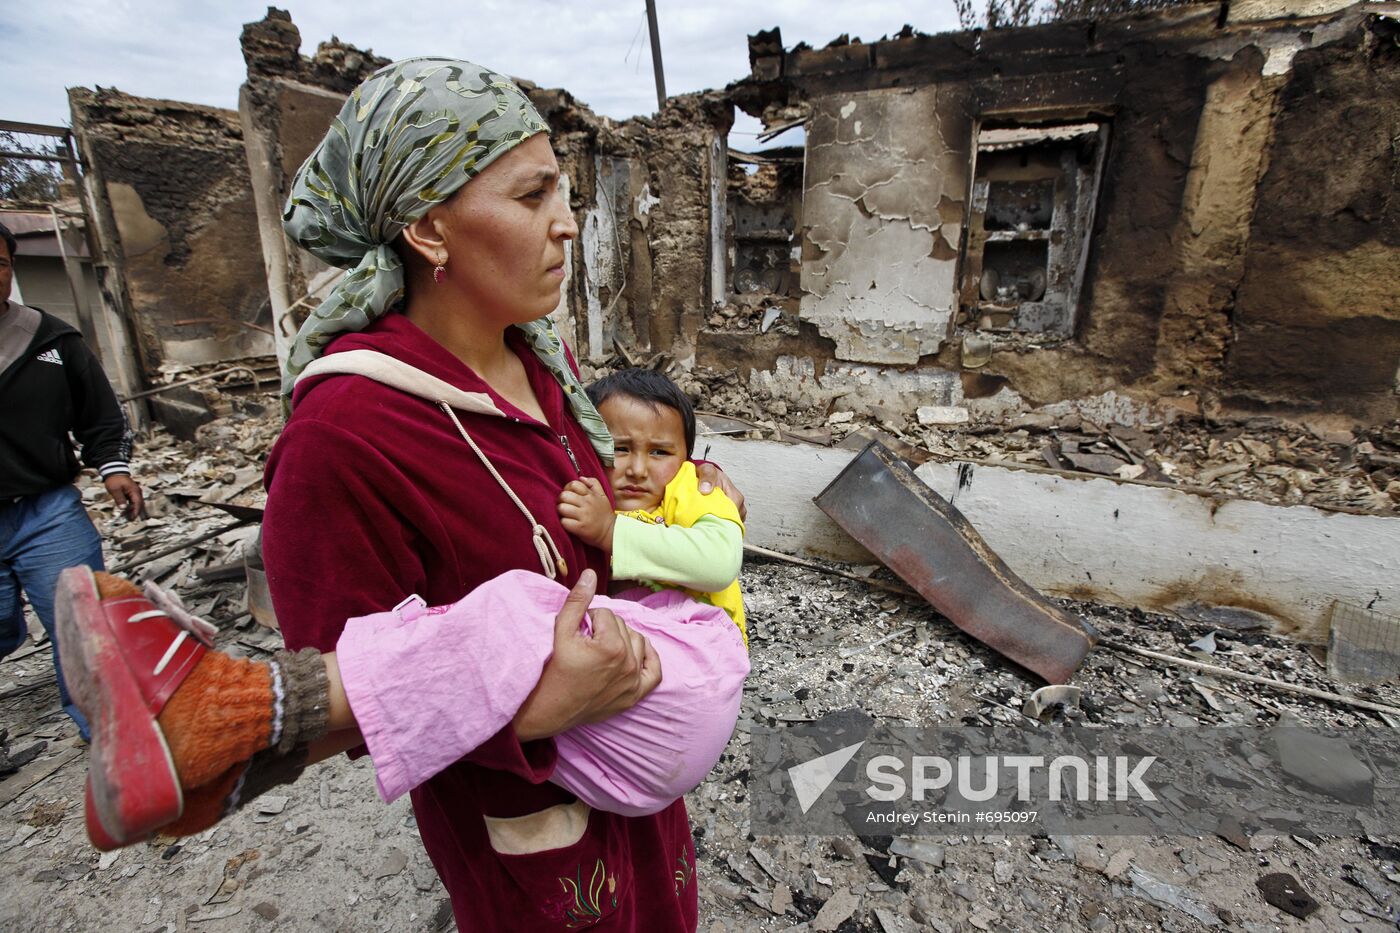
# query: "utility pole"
{"type": "Point", "coordinates": [656, 56]}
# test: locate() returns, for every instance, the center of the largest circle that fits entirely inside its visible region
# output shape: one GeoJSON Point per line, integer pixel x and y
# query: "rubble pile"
{"type": "Point", "coordinates": [1320, 462]}
{"type": "Point", "coordinates": [194, 490]}
{"type": "Point", "coordinates": [822, 644]}
{"type": "Point", "coordinates": [326, 853]}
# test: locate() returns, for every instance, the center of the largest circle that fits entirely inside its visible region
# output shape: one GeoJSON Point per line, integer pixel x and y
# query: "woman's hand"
{"type": "Point", "coordinates": [588, 679]}
{"type": "Point", "coordinates": [586, 513]}
{"type": "Point", "coordinates": [711, 476]}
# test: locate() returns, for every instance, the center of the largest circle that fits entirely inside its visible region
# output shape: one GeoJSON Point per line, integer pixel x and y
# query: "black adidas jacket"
{"type": "Point", "coordinates": [57, 386]}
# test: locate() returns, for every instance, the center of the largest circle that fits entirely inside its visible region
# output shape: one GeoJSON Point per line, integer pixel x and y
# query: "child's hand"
{"type": "Point", "coordinates": [586, 512]}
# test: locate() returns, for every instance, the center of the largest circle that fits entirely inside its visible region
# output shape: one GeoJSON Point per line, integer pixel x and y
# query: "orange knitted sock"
{"type": "Point", "coordinates": [204, 806]}
{"type": "Point", "coordinates": [235, 788]}
{"type": "Point", "coordinates": [219, 717]}
{"type": "Point", "coordinates": [110, 587]}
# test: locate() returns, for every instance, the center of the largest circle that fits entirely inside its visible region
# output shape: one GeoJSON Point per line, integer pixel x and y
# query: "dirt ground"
{"type": "Point", "coordinates": [326, 854]}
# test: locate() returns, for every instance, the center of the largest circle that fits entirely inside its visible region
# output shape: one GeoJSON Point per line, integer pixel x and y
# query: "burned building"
{"type": "Point", "coordinates": [172, 204]}
{"type": "Point", "coordinates": [284, 109]}
{"type": "Point", "coordinates": [647, 194]}
{"type": "Point", "coordinates": [1193, 205]}
{"type": "Point", "coordinates": [1197, 201]}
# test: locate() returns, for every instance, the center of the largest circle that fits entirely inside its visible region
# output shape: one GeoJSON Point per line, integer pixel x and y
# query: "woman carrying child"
{"type": "Point", "coordinates": [425, 455]}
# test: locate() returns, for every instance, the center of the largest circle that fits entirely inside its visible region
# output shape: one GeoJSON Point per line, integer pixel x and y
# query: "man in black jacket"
{"type": "Point", "coordinates": [51, 385]}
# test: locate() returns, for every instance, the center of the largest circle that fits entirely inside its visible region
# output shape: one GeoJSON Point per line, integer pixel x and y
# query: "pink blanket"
{"type": "Point", "coordinates": [428, 685]}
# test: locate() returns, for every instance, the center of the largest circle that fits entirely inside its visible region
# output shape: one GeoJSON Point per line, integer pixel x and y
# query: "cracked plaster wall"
{"type": "Point", "coordinates": [886, 173]}
{"type": "Point", "coordinates": [1244, 244]}
{"type": "Point", "coordinates": [1212, 235]}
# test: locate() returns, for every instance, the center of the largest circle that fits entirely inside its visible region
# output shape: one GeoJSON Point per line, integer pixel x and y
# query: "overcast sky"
{"type": "Point", "coordinates": [597, 49]}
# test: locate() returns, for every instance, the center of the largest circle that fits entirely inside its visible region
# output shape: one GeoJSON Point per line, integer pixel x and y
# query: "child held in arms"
{"type": "Point", "coordinates": [213, 731]}
{"type": "Point", "coordinates": [664, 530]}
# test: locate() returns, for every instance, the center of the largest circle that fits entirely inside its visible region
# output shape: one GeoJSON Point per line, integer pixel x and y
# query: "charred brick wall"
{"type": "Point", "coordinates": [1317, 317]}
{"type": "Point", "coordinates": [285, 107]}
{"type": "Point", "coordinates": [1243, 241]}
{"type": "Point", "coordinates": [172, 178]}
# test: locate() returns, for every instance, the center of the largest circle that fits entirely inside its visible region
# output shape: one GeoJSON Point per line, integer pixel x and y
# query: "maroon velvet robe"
{"type": "Point", "coordinates": [372, 496]}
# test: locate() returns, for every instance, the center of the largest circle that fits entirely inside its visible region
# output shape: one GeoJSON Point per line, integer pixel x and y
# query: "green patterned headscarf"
{"type": "Point", "coordinates": [407, 138]}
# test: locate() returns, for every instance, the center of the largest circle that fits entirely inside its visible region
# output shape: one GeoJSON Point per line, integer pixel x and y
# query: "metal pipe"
{"type": "Point", "coordinates": [36, 156]}
{"type": "Point", "coordinates": [32, 129]}
{"type": "Point", "coordinates": [656, 56]}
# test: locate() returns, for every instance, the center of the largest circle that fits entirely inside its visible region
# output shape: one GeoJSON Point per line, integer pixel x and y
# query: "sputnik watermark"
{"type": "Point", "coordinates": [1117, 777]}
{"type": "Point", "coordinates": [847, 773]}
{"type": "Point", "coordinates": [978, 778]}
{"type": "Point", "coordinates": [811, 778]}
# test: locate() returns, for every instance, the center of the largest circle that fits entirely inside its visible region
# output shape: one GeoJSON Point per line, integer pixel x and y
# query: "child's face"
{"type": "Point", "coordinates": [650, 449]}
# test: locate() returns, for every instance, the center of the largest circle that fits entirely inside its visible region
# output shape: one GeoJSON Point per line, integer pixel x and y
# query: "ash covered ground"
{"type": "Point", "coordinates": [327, 854]}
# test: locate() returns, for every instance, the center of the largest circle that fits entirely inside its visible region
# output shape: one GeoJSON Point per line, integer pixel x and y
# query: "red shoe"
{"type": "Point", "coordinates": [122, 660]}
{"type": "Point", "coordinates": [97, 835]}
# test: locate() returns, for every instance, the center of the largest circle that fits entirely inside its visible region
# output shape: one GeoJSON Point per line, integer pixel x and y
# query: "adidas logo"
{"type": "Point", "coordinates": [50, 356]}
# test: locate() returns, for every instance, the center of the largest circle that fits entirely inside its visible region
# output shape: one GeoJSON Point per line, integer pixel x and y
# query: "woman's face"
{"type": "Point", "coordinates": [504, 232]}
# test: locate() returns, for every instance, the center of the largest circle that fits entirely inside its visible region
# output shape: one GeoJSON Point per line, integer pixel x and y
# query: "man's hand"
{"type": "Point", "coordinates": [588, 678]}
{"type": "Point", "coordinates": [711, 476]}
{"type": "Point", "coordinates": [586, 513]}
{"type": "Point", "coordinates": [126, 494]}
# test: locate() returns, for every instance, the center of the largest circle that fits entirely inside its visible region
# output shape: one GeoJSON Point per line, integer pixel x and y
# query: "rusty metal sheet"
{"type": "Point", "coordinates": [919, 535]}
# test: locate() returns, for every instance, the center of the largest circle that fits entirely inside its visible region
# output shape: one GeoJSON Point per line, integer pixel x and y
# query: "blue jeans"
{"type": "Point", "coordinates": [39, 536]}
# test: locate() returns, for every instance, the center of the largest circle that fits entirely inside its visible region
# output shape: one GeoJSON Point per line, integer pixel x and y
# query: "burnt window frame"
{"type": "Point", "coordinates": [975, 314]}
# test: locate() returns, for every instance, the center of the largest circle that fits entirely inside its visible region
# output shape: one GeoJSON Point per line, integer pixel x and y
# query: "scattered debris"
{"type": "Point", "coordinates": [1234, 833]}
{"type": "Point", "coordinates": [1286, 893]}
{"type": "Point", "coordinates": [394, 862]}
{"type": "Point", "coordinates": [1048, 697]}
{"type": "Point", "coordinates": [919, 849]}
{"type": "Point", "coordinates": [35, 771]}
{"type": "Point", "coordinates": [835, 911]}
{"type": "Point", "coordinates": [272, 804]}
{"type": "Point", "coordinates": [1170, 895]}
{"type": "Point", "coordinates": [1325, 764]}
{"type": "Point", "coordinates": [931, 415]}
{"type": "Point", "coordinates": [1265, 458]}
{"type": "Point", "coordinates": [1363, 646]}
{"type": "Point", "coordinates": [781, 900]}
{"type": "Point", "coordinates": [1228, 674]}
{"type": "Point", "coordinates": [11, 759]}
{"type": "Point", "coordinates": [1118, 863]}
{"type": "Point", "coordinates": [1204, 645]}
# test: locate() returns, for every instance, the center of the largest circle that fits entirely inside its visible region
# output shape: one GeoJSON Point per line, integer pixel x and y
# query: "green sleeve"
{"type": "Point", "coordinates": [705, 557]}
